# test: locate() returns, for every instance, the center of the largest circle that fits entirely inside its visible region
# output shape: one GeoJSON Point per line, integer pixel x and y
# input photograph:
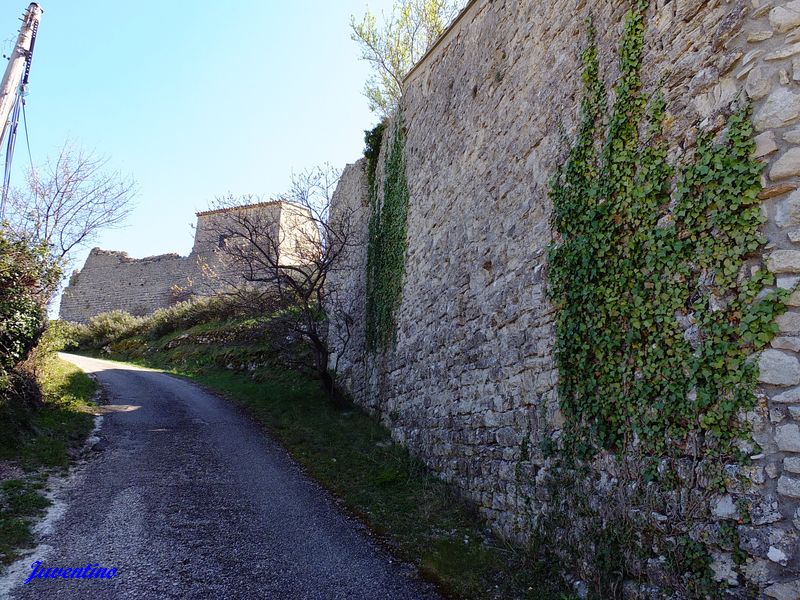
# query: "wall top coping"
{"type": "Point", "coordinates": [470, 9]}
{"type": "Point", "coordinates": [124, 257]}
{"type": "Point", "coordinates": [228, 209]}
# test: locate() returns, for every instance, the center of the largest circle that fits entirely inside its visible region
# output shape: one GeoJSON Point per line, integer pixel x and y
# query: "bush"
{"type": "Point", "coordinates": [109, 327]}
{"type": "Point", "coordinates": [57, 336]}
{"type": "Point", "coordinates": [27, 279]}
{"type": "Point", "coordinates": [185, 315]}
{"type": "Point", "coordinates": [62, 335]}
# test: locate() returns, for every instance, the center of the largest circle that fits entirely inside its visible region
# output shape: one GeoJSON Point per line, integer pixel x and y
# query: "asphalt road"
{"type": "Point", "coordinates": [190, 499]}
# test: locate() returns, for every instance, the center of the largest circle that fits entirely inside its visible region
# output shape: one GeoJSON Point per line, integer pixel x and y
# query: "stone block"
{"type": "Point", "coordinates": [784, 261]}
{"type": "Point", "coordinates": [724, 568]}
{"type": "Point", "coordinates": [793, 136]}
{"type": "Point", "coordinates": [765, 511]}
{"type": "Point", "coordinates": [791, 343]}
{"type": "Point", "coordinates": [788, 437]}
{"type": "Point", "coordinates": [787, 282]}
{"type": "Point", "coordinates": [788, 211]}
{"type": "Point", "coordinates": [757, 570]}
{"type": "Point", "coordinates": [788, 322]}
{"type": "Point", "coordinates": [789, 487]}
{"type": "Point", "coordinates": [784, 18]}
{"type": "Point", "coordinates": [760, 36]}
{"type": "Point", "coordinates": [765, 144]}
{"type": "Point", "coordinates": [781, 108]}
{"type": "Point", "coordinates": [784, 591]}
{"type": "Point", "coordinates": [784, 52]}
{"type": "Point", "coordinates": [776, 190]}
{"type": "Point", "coordinates": [777, 555]}
{"type": "Point", "coordinates": [773, 470]}
{"type": "Point", "coordinates": [757, 84]}
{"type": "Point", "coordinates": [788, 165]}
{"type": "Point", "coordinates": [723, 507]}
{"type": "Point", "coordinates": [788, 397]}
{"type": "Point", "coordinates": [778, 368]}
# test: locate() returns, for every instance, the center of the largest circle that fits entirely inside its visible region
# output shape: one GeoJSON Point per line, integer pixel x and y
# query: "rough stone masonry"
{"type": "Point", "coordinates": [112, 280]}
{"type": "Point", "coordinates": [470, 376]}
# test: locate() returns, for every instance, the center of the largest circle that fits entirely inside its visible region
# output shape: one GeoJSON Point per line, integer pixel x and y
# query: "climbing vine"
{"type": "Point", "coordinates": [372, 150]}
{"type": "Point", "coordinates": [660, 302]}
{"type": "Point", "coordinates": [387, 236]}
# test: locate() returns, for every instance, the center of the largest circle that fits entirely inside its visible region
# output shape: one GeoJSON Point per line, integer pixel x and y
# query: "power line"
{"type": "Point", "coordinates": [27, 139]}
{"type": "Point", "coordinates": [19, 106]}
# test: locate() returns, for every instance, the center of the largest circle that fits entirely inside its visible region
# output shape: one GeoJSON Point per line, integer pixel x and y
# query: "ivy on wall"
{"type": "Point", "coordinates": [373, 139]}
{"type": "Point", "coordinates": [660, 306]}
{"type": "Point", "coordinates": [386, 247]}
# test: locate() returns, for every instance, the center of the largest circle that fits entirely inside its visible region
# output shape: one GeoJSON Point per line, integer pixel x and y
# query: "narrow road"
{"type": "Point", "coordinates": [190, 499]}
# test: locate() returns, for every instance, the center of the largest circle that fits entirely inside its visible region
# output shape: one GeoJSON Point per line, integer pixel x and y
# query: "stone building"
{"type": "Point", "coordinates": [469, 382]}
{"type": "Point", "coordinates": [111, 280]}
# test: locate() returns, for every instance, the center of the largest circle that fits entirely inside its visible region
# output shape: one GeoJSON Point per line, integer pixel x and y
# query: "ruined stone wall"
{"type": "Point", "coordinates": [470, 380]}
{"type": "Point", "coordinates": [113, 281]}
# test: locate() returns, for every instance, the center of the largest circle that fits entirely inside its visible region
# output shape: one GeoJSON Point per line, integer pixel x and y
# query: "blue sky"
{"type": "Point", "coordinates": [194, 99]}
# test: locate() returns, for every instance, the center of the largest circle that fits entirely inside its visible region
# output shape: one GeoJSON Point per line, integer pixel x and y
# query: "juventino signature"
{"type": "Point", "coordinates": [90, 571]}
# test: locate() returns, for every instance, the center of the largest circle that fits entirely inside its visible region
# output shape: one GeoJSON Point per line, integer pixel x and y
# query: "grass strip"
{"type": "Point", "coordinates": [51, 433]}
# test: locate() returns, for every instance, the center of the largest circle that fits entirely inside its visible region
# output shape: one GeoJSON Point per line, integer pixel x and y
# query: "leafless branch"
{"type": "Point", "coordinates": [67, 202]}
{"type": "Point", "coordinates": [285, 250]}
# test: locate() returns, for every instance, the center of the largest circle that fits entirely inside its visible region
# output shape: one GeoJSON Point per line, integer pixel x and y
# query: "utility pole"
{"type": "Point", "coordinates": [17, 65]}
{"type": "Point", "coordinates": [12, 86]}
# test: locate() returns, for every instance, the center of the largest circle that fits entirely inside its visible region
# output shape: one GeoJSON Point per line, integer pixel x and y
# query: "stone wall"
{"type": "Point", "coordinates": [113, 281]}
{"type": "Point", "coordinates": [470, 379]}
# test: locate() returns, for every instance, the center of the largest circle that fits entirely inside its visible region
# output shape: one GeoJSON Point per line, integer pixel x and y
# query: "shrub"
{"type": "Point", "coordinates": [57, 336]}
{"type": "Point", "coordinates": [185, 315]}
{"type": "Point", "coordinates": [27, 278]}
{"type": "Point", "coordinates": [109, 327]}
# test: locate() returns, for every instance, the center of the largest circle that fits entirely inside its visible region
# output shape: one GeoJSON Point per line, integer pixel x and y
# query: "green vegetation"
{"type": "Point", "coordinates": [661, 306]}
{"type": "Point", "coordinates": [658, 308]}
{"type": "Point", "coordinates": [373, 139]}
{"type": "Point", "coordinates": [417, 515]}
{"type": "Point", "coordinates": [27, 275]}
{"type": "Point", "coordinates": [44, 410]}
{"type": "Point", "coordinates": [109, 327]}
{"type": "Point", "coordinates": [21, 502]}
{"type": "Point", "coordinates": [42, 438]}
{"type": "Point", "coordinates": [394, 46]}
{"type": "Point", "coordinates": [386, 249]}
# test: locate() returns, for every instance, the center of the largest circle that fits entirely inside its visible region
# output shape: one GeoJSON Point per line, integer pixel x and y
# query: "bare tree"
{"type": "Point", "coordinates": [282, 252]}
{"type": "Point", "coordinates": [66, 203]}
